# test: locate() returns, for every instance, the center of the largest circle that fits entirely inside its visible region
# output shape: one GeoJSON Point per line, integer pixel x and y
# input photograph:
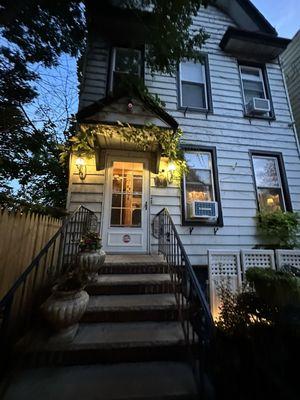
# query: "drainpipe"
{"type": "Point", "coordinates": [290, 106]}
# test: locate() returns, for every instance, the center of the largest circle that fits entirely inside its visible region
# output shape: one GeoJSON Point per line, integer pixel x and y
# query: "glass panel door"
{"type": "Point", "coordinates": [127, 194]}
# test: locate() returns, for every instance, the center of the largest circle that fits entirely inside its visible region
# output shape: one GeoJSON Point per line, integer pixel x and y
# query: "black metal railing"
{"type": "Point", "coordinates": [194, 312]}
{"type": "Point", "coordinates": [18, 306]}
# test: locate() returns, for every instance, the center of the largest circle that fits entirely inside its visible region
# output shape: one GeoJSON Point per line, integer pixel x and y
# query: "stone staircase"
{"type": "Point", "coordinates": [129, 345]}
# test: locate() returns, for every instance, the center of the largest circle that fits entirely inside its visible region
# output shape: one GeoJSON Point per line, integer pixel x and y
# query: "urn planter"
{"type": "Point", "coordinates": [63, 310]}
{"type": "Point", "coordinates": [91, 261]}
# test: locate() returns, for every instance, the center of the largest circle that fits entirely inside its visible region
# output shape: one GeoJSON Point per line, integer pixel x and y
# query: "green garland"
{"type": "Point", "coordinates": [83, 143]}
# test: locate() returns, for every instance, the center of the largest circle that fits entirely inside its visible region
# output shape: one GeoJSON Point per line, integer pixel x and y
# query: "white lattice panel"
{"type": "Point", "coordinates": [288, 257]}
{"type": "Point", "coordinates": [224, 269]}
{"type": "Point", "coordinates": [258, 259]}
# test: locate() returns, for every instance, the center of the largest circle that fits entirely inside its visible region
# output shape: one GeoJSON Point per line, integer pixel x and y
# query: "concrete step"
{"type": "Point", "coordinates": [134, 264]}
{"type": "Point", "coordinates": [131, 284]}
{"type": "Point", "coordinates": [135, 381]}
{"type": "Point", "coordinates": [111, 343]}
{"type": "Point", "coordinates": [134, 268]}
{"type": "Point", "coordinates": [120, 308]}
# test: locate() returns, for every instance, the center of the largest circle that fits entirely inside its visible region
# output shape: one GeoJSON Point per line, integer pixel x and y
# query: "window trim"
{"type": "Point", "coordinates": [282, 175]}
{"type": "Point", "coordinates": [207, 86]}
{"type": "Point", "coordinates": [112, 61]}
{"type": "Point", "coordinates": [216, 188]}
{"type": "Point", "coordinates": [267, 89]}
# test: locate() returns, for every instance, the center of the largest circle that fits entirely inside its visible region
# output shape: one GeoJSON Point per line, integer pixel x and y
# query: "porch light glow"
{"type": "Point", "coordinates": [171, 169]}
{"type": "Point", "coordinates": [80, 164]}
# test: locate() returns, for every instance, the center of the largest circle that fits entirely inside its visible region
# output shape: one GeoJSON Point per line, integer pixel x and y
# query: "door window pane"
{"type": "Point", "coordinates": [127, 194]}
{"type": "Point", "coordinates": [268, 183]}
{"type": "Point", "coordinates": [115, 217]}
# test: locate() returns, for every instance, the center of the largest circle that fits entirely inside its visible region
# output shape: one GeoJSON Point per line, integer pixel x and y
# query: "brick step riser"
{"type": "Point", "coordinates": [131, 316]}
{"type": "Point", "coordinates": [138, 288]}
{"type": "Point", "coordinates": [134, 269]}
{"type": "Point", "coordinates": [107, 356]}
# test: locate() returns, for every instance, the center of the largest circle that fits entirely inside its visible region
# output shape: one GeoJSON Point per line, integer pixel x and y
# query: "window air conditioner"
{"type": "Point", "coordinates": [203, 209]}
{"type": "Point", "coordinates": [258, 106]}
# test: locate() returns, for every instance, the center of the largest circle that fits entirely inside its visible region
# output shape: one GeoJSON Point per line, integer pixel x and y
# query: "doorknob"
{"type": "Point", "coordinates": [146, 205]}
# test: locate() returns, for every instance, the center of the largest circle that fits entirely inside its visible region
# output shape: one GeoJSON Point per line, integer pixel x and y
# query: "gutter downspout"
{"type": "Point", "coordinates": [290, 106]}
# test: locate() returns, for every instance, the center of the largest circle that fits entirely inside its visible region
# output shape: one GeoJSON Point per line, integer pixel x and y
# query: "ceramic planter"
{"type": "Point", "coordinates": [63, 310]}
{"type": "Point", "coordinates": [91, 261]}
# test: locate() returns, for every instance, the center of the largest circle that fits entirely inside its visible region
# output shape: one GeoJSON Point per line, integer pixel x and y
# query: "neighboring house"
{"type": "Point", "coordinates": [238, 139]}
{"type": "Point", "coordinates": [290, 60]}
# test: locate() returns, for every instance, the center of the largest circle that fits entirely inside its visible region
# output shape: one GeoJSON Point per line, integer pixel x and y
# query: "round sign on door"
{"type": "Point", "coordinates": [126, 238]}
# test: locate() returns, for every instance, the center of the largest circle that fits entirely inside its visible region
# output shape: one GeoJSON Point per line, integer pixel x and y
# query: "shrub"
{"type": "Point", "coordinates": [276, 288]}
{"type": "Point", "coordinates": [280, 228]}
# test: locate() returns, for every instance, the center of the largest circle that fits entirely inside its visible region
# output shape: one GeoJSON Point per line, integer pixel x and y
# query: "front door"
{"type": "Point", "coordinates": [125, 222]}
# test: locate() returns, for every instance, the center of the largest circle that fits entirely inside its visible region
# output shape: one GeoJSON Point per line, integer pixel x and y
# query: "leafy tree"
{"type": "Point", "coordinates": [168, 33]}
{"type": "Point", "coordinates": [36, 33]}
{"type": "Point", "coordinates": [33, 33]}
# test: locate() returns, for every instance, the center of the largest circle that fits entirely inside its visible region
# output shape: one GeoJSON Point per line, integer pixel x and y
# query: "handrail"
{"type": "Point", "coordinates": [18, 304]}
{"type": "Point", "coordinates": [194, 313]}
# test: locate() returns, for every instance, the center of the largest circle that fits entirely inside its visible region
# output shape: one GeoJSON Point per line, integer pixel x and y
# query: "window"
{"type": "Point", "coordinates": [253, 83]}
{"type": "Point", "coordinates": [124, 62]}
{"type": "Point", "coordinates": [200, 183]}
{"type": "Point", "coordinates": [194, 85]}
{"type": "Point", "coordinates": [270, 179]}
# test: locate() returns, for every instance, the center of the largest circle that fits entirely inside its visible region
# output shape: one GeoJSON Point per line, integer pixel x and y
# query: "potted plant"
{"type": "Point", "coordinates": [66, 305]}
{"type": "Point", "coordinates": [279, 229]}
{"type": "Point", "coordinates": [91, 255]}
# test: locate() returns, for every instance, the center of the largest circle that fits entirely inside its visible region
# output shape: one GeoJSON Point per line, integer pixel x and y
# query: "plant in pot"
{"type": "Point", "coordinates": [66, 305]}
{"type": "Point", "coordinates": [91, 256]}
{"type": "Point", "coordinates": [279, 229]}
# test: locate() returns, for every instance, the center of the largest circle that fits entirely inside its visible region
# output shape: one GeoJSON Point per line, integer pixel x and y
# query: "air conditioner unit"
{"type": "Point", "coordinates": [203, 209]}
{"type": "Point", "coordinates": [258, 106]}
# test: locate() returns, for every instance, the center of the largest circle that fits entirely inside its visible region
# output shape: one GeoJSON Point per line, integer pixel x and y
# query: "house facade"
{"type": "Point", "coordinates": [290, 60]}
{"type": "Point", "coordinates": [238, 139]}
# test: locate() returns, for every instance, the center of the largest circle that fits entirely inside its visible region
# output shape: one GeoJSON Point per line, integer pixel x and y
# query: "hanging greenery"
{"type": "Point", "coordinates": [145, 138]}
{"type": "Point", "coordinates": [133, 85]}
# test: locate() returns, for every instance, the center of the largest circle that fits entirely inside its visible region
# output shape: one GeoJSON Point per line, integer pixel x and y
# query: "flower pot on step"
{"type": "Point", "coordinates": [91, 261]}
{"type": "Point", "coordinates": [63, 310]}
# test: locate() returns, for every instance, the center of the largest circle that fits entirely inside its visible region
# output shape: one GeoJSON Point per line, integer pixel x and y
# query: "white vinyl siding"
{"type": "Point", "coordinates": [226, 129]}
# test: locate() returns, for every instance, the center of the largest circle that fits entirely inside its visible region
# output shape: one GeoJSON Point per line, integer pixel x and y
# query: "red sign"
{"type": "Point", "coordinates": [126, 238]}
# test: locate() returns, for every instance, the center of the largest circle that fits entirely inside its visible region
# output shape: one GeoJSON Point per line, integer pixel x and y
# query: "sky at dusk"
{"type": "Point", "coordinates": [284, 15]}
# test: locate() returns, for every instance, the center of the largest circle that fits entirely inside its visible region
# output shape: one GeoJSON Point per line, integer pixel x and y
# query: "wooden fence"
{"type": "Point", "coordinates": [22, 236]}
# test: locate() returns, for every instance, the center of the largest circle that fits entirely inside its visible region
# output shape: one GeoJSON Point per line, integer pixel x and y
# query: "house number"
{"type": "Point", "coordinates": [126, 238]}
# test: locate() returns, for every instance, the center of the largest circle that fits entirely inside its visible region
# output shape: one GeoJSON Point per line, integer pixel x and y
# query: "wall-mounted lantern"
{"type": "Point", "coordinates": [171, 170]}
{"type": "Point", "coordinates": [165, 176]}
{"type": "Point", "coordinates": [80, 164]}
